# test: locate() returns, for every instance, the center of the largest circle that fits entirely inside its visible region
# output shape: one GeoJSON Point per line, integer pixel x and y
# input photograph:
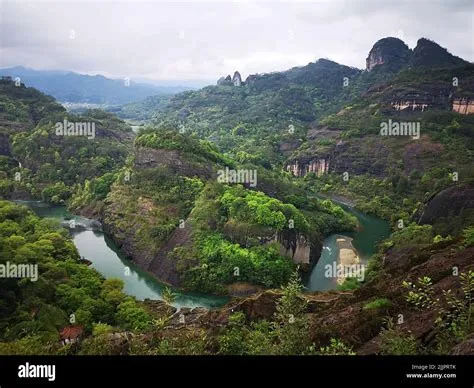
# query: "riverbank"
{"type": "Point", "coordinates": [99, 249]}
{"type": "Point", "coordinates": [370, 230]}
{"type": "Point", "coordinates": [348, 261]}
{"type": "Point", "coordinates": [361, 243]}
{"type": "Point", "coordinates": [347, 253]}
{"type": "Point", "coordinates": [144, 285]}
{"type": "Point", "coordinates": [340, 199]}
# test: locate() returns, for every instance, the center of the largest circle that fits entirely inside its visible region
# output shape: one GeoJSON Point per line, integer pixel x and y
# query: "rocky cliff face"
{"type": "Point", "coordinates": [170, 159]}
{"type": "Point", "coordinates": [464, 106]}
{"type": "Point", "coordinates": [162, 264]}
{"type": "Point", "coordinates": [428, 96]}
{"type": "Point", "coordinates": [127, 234]}
{"type": "Point", "coordinates": [302, 167]}
{"type": "Point", "coordinates": [422, 101]}
{"type": "Point", "coordinates": [317, 160]}
{"type": "Point", "coordinates": [127, 221]}
{"type": "Point", "coordinates": [388, 51]}
{"type": "Point", "coordinates": [354, 156]}
{"type": "Point", "coordinates": [452, 207]}
{"type": "Point", "coordinates": [303, 250]}
{"type": "Point", "coordinates": [395, 54]}
{"type": "Point", "coordinates": [237, 79]}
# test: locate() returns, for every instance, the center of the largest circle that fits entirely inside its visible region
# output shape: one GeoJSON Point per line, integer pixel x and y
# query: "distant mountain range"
{"type": "Point", "coordinates": [251, 119]}
{"type": "Point", "coordinates": [70, 87]}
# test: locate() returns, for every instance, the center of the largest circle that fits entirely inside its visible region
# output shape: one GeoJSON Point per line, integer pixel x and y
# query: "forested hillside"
{"type": "Point", "coordinates": [36, 162]}
{"type": "Point", "coordinates": [220, 192]}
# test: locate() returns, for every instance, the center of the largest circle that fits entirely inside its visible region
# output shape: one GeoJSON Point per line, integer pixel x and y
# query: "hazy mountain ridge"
{"type": "Point", "coordinates": [72, 87]}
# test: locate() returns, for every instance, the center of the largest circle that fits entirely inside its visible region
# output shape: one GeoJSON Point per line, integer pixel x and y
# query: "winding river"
{"type": "Point", "coordinates": [106, 258]}
{"type": "Point", "coordinates": [371, 230]}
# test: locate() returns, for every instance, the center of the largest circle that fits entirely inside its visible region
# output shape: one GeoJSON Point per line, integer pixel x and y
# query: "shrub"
{"type": "Point", "coordinates": [336, 348]}
{"type": "Point", "coordinates": [349, 284]}
{"type": "Point", "coordinates": [413, 234]}
{"type": "Point", "coordinates": [381, 303]}
{"type": "Point", "coordinates": [397, 342]}
{"type": "Point", "coordinates": [101, 328]}
{"type": "Point", "coordinates": [468, 235]}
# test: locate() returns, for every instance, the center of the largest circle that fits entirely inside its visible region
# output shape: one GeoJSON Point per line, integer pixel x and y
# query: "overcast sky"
{"type": "Point", "coordinates": [199, 40]}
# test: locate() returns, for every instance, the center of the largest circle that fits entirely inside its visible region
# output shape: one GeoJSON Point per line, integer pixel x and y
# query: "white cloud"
{"type": "Point", "coordinates": [205, 40]}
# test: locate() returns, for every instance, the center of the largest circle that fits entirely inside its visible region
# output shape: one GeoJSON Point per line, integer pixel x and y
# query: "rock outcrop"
{"type": "Point", "coordinates": [464, 106]}
{"type": "Point", "coordinates": [305, 251]}
{"type": "Point", "coordinates": [163, 265]}
{"type": "Point", "coordinates": [250, 80]}
{"type": "Point", "coordinates": [237, 79]}
{"type": "Point", "coordinates": [409, 105]}
{"type": "Point", "coordinates": [427, 96]}
{"type": "Point", "coordinates": [355, 156]}
{"type": "Point", "coordinates": [388, 51]}
{"type": "Point", "coordinates": [395, 54]}
{"type": "Point", "coordinates": [455, 201]}
{"type": "Point", "coordinates": [170, 159]}
{"type": "Point", "coordinates": [301, 168]}
{"type": "Point", "coordinates": [126, 236]}
{"type": "Point", "coordinates": [429, 53]}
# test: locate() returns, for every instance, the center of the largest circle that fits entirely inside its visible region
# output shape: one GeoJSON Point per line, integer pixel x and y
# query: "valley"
{"type": "Point", "coordinates": [295, 212]}
{"type": "Point", "coordinates": [106, 258]}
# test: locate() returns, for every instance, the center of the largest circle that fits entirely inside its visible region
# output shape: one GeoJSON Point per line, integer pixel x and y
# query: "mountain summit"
{"type": "Point", "coordinates": [394, 54]}
{"type": "Point", "coordinates": [429, 53]}
{"type": "Point", "coordinates": [391, 52]}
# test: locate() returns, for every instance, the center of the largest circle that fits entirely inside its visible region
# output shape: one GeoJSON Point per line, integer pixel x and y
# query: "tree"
{"type": "Point", "coordinates": [291, 325]}
{"type": "Point", "coordinates": [131, 316]}
{"type": "Point", "coordinates": [233, 341]}
{"type": "Point", "coordinates": [168, 295]}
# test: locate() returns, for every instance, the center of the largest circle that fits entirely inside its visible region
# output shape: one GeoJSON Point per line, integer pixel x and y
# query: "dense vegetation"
{"type": "Point", "coordinates": [66, 291]}
{"type": "Point", "coordinates": [37, 163]}
{"type": "Point", "coordinates": [230, 225]}
{"type": "Point", "coordinates": [248, 123]}
{"type": "Point", "coordinates": [170, 139]}
{"type": "Point", "coordinates": [163, 189]}
{"type": "Point", "coordinates": [236, 231]}
{"type": "Point", "coordinates": [393, 177]}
